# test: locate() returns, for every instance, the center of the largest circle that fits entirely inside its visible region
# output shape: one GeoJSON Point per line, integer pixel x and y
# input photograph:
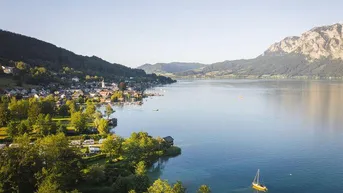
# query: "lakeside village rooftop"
{"type": "Point", "coordinates": [100, 91]}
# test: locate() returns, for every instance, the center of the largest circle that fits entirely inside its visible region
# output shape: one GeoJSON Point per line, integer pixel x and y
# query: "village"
{"type": "Point", "coordinates": [71, 116]}
{"type": "Point", "coordinates": [128, 92]}
{"type": "Point", "coordinates": [95, 93]}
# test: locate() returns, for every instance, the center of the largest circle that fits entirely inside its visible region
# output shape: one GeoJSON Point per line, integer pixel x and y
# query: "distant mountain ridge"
{"type": "Point", "coordinates": [317, 53]}
{"type": "Point", "coordinates": [173, 67]}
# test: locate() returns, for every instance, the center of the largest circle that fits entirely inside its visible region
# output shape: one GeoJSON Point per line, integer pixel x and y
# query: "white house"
{"type": "Point", "coordinates": [75, 142]}
{"type": "Point", "coordinates": [94, 149]}
{"type": "Point", "coordinates": [75, 79]}
{"type": "Point", "coordinates": [14, 145]}
{"type": "Point", "coordinates": [7, 69]}
{"type": "Point", "coordinates": [2, 146]}
{"type": "Point", "coordinates": [88, 142]}
{"type": "Point", "coordinates": [101, 141]}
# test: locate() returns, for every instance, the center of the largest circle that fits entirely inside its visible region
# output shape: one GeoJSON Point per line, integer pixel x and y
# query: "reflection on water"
{"type": "Point", "coordinates": [319, 104]}
{"type": "Point", "coordinates": [157, 169]}
{"type": "Point", "coordinates": [228, 129]}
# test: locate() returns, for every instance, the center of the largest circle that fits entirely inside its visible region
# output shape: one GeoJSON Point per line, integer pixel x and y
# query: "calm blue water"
{"type": "Point", "coordinates": [227, 129]}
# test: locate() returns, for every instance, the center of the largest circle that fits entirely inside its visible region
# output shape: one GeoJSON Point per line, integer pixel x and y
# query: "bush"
{"type": "Point", "coordinates": [76, 137]}
{"type": "Point", "coordinates": [94, 158]}
{"type": "Point", "coordinates": [102, 189]}
{"type": "Point", "coordinates": [173, 151]}
{"type": "Point", "coordinates": [95, 174]}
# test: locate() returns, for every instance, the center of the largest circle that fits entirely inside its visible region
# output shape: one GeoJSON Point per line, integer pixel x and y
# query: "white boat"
{"type": "Point", "coordinates": [256, 184]}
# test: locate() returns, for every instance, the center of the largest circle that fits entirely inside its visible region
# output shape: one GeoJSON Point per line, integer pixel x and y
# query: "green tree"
{"type": "Point", "coordinates": [48, 105]}
{"type": "Point", "coordinates": [140, 146]}
{"type": "Point", "coordinates": [18, 108]}
{"type": "Point", "coordinates": [61, 162]}
{"type": "Point", "coordinates": [141, 179]}
{"type": "Point", "coordinates": [48, 184]}
{"type": "Point", "coordinates": [12, 130]}
{"type": "Point", "coordinates": [78, 120]}
{"type": "Point", "coordinates": [39, 75]}
{"type": "Point", "coordinates": [64, 110]}
{"type": "Point", "coordinates": [52, 128]}
{"type": "Point", "coordinates": [97, 115]}
{"type": "Point", "coordinates": [90, 109]}
{"type": "Point", "coordinates": [204, 189]}
{"type": "Point", "coordinates": [34, 110]}
{"type": "Point", "coordinates": [61, 128]}
{"type": "Point", "coordinates": [109, 110]}
{"type": "Point", "coordinates": [140, 169]}
{"type": "Point", "coordinates": [5, 99]}
{"type": "Point", "coordinates": [116, 95]}
{"type": "Point", "coordinates": [5, 114]}
{"type": "Point", "coordinates": [73, 107]}
{"type": "Point", "coordinates": [96, 174]}
{"type": "Point", "coordinates": [142, 183]}
{"type": "Point", "coordinates": [160, 186]}
{"type": "Point", "coordinates": [15, 128]}
{"type": "Point", "coordinates": [18, 167]}
{"type": "Point", "coordinates": [44, 125]}
{"type": "Point", "coordinates": [178, 187]}
{"type": "Point", "coordinates": [103, 126]}
{"type": "Point", "coordinates": [40, 125]}
{"type": "Point", "coordinates": [124, 184]}
{"type": "Point", "coordinates": [21, 65]}
{"type": "Point", "coordinates": [114, 98]}
{"type": "Point", "coordinates": [23, 127]}
{"type": "Point", "coordinates": [113, 146]}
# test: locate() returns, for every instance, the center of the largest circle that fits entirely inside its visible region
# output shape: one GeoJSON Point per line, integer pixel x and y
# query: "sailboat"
{"type": "Point", "coordinates": [256, 183]}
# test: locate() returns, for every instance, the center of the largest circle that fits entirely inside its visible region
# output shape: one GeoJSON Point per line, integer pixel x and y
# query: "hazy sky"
{"type": "Point", "coordinates": [145, 31]}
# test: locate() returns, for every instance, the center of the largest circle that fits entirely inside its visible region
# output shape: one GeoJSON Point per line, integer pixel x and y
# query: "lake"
{"type": "Point", "coordinates": [227, 129]}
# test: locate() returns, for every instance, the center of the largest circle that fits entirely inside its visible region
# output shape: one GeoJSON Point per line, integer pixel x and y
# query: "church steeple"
{"type": "Point", "coordinates": [103, 83]}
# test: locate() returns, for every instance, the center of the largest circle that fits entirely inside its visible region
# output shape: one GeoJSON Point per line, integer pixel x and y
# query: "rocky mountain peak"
{"type": "Point", "coordinates": [319, 42]}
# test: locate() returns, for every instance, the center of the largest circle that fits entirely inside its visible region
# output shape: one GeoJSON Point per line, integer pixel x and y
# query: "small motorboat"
{"type": "Point", "coordinates": [256, 183]}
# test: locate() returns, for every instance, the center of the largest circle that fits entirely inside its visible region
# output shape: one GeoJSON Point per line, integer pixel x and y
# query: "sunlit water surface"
{"type": "Point", "coordinates": [227, 129]}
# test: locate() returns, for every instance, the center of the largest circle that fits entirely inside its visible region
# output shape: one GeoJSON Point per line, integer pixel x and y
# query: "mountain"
{"type": "Point", "coordinates": [173, 67]}
{"type": "Point", "coordinates": [317, 43]}
{"type": "Point", "coordinates": [37, 53]}
{"type": "Point", "coordinates": [317, 53]}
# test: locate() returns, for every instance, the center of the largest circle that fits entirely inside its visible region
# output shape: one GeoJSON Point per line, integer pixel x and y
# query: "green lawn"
{"type": "Point", "coordinates": [61, 119]}
{"type": "Point", "coordinates": [70, 128]}
{"type": "Point", "coordinates": [3, 133]}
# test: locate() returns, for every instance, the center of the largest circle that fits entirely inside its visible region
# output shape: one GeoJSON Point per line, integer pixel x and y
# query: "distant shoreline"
{"type": "Point", "coordinates": [249, 77]}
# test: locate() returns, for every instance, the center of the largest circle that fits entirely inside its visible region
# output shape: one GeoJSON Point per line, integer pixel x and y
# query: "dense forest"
{"type": "Point", "coordinates": [38, 153]}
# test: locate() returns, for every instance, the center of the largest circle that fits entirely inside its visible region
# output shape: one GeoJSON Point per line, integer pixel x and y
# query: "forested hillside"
{"type": "Point", "coordinates": [173, 67]}
{"type": "Point", "coordinates": [37, 53]}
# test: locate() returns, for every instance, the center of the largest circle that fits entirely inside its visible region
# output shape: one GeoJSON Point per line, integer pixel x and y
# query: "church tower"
{"type": "Point", "coordinates": [103, 83]}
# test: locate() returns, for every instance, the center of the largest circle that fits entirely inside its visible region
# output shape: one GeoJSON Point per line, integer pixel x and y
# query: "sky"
{"type": "Point", "coordinates": [135, 32]}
